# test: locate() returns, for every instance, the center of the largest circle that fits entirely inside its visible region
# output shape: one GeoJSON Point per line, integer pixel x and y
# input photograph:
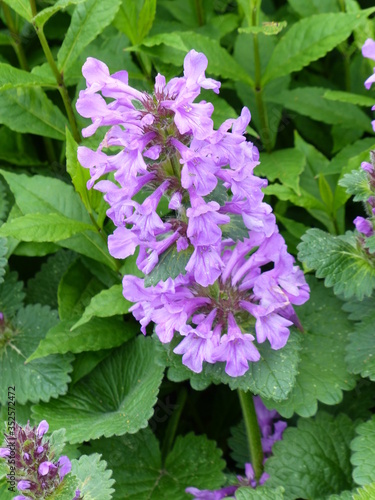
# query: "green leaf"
{"type": "Point", "coordinates": [38, 380]}
{"type": "Point", "coordinates": [309, 101]}
{"type": "Point", "coordinates": [261, 493]}
{"type": "Point", "coordinates": [42, 288]}
{"type": "Point", "coordinates": [370, 244]}
{"type": "Point", "coordinates": [11, 295]}
{"type": "Point", "coordinates": [363, 457]}
{"type": "Point", "coordinates": [22, 7]}
{"type": "Point", "coordinates": [127, 383]}
{"type": "Point", "coordinates": [3, 260]}
{"type": "Point", "coordinates": [76, 288]}
{"type": "Point", "coordinates": [220, 63]}
{"type": "Point", "coordinates": [365, 493]}
{"type": "Point", "coordinates": [97, 334]}
{"type": "Point", "coordinates": [361, 348]}
{"type": "Point", "coordinates": [28, 110]}
{"type": "Point", "coordinates": [88, 21]}
{"type": "Point", "coordinates": [43, 227]}
{"type": "Point", "coordinates": [343, 265]}
{"type": "Point", "coordinates": [357, 184]}
{"type": "Point", "coordinates": [94, 479]}
{"type": "Point", "coordinates": [171, 264]}
{"type": "Point", "coordinates": [107, 303]}
{"type": "Point", "coordinates": [267, 28]}
{"type": "Point", "coordinates": [305, 9]}
{"type": "Point", "coordinates": [310, 39]}
{"type": "Point", "coordinates": [85, 362]}
{"type": "Point", "coordinates": [140, 474]}
{"type": "Point", "coordinates": [235, 229]}
{"type": "Point", "coordinates": [11, 77]}
{"type": "Point", "coordinates": [321, 377]}
{"type": "Point", "coordinates": [272, 377]}
{"type": "Point", "coordinates": [351, 156]}
{"type": "Point", "coordinates": [285, 165]}
{"type": "Point", "coordinates": [357, 99]}
{"type": "Point", "coordinates": [42, 17]}
{"type": "Point", "coordinates": [313, 460]}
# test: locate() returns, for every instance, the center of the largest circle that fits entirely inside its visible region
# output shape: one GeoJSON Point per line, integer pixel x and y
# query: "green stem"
{"type": "Point", "coordinates": [59, 77]}
{"type": "Point", "coordinates": [173, 423]}
{"type": "Point", "coordinates": [16, 41]}
{"type": "Point", "coordinates": [252, 431]}
{"type": "Point", "coordinates": [262, 110]}
{"type": "Point", "coordinates": [200, 12]}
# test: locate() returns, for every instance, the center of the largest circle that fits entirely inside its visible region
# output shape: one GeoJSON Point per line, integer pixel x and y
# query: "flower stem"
{"type": "Point", "coordinates": [59, 77]}
{"type": "Point", "coordinates": [173, 423]}
{"type": "Point", "coordinates": [200, 12]}
{"type": "Point", "coordinates": [252, 431]}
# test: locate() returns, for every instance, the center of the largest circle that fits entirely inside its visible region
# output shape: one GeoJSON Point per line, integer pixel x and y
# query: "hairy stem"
{"type": "Point", "coordinates": [252, 431]}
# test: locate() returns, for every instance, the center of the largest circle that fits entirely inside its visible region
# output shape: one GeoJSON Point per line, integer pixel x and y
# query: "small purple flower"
{"type": "Point", "coordinates": [364, 226]}
{"type": "Point", "coordinates": [45, 467]}
{"type": "Point", "coordinates": [65, 466]}
{"type": "Point", "coordinates": [42, 428]}
{"type": "Point", "coordinates": [211, 495]}
{"type": "Point", "coordinates": [368, 49]}
{"type": "Point", "coordinates": [23, 485]}
{"type": "Point", "coordinates": [4, 452]}
{"type": "Point", "coordinates": [21, 497]}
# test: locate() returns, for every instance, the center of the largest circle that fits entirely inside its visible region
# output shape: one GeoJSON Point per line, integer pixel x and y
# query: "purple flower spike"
{"type": "Point", "coordinates": [211, 495]}
{"type": "Point", "coordinates": [42, 428]}
{"type": "Point", "coordinates": [65, 466]}
{"type": "Point", "coordinates": [45, 467]}
{"type": "Point", "coordinates": [368, 49]}
{"type": "Point", "coordinates": [4, 452]}
{"type": "Point", "coordinates": [364, 226]}
{"type": "Point", "coordinates": [21, 497]}
{"type": "Point", "coordinates": [23, 485]}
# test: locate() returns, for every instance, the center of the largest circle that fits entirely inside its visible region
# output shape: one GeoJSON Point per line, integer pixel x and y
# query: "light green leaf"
{"type": "Point", "coordinates": [351, 156]}
{"type": "Point", "coordinates": [128, 383]}
{"type": "Point", "coordinates": [337, 259]}
{"type": "Point", "coordinates": [94, 479]}
{"type": "Point", "coordinates": [321, 377]}
{"type": "Point", "coordinates": [43, 227]}
{"type": "Point", "coordinates": [309, 101]}
{"type": "Point", "coordinates": [97, 334]}
{"type": "Point", "coordinates": [38, 380]}
{"type": "Point", "coordinates": [365, 493]}
{"type": "Point", "coordinates": [261, 493]}
{"type": "Point", "coordinates": [305, 9]}
{"type": "Point", "coordinates": [146, 18]}
{"type": "Point", "coordinates": [88, 21]}
{"type": "Point", "coordinates": [310, 39]}
{"type": "Point", "coordinates": [220, 63]}
{"type": "Point", "coordinates": [107, 303]}
{"type": "Point", "coordinates": [361, 348]}
{"type": "Point", "coordinates": [357, 184]}
{"type": "Point", "coordinates": [3, 260]}
{"type": "Point", "coordinates": [363, 457]}
{"type": "Point", "coordinates": [76, 288]}
{"type": "Point", "coordinates": [140, 474]}
{"type": "Point", "coordinates": [313, 460]}
{"type": "Point", "coordinates": [272, 377]}
{"type": "Point", "coordinates": [267, 28]}
{"type": "Point", "coordinates": [28, 110]}
{"type": "Point", "coordinates": [42, 17]}
{"type": "Point", "coordinates": [285, 165]}
{"type": "Point", "coordinates": [11, 77]}
{"type": "Point", "coordinates": [357, 99]}
{"type": "Point", "coordinates": [22, 7]}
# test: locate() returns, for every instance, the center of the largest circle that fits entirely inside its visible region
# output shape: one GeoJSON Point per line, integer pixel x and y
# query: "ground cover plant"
{"type": "Point", "coordinates": [187, 249]}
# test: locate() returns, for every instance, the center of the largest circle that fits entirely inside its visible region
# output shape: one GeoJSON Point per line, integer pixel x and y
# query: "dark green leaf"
{"type": "Point", "coordinates": [42, 17]}
{"type": "Point", "coordinates": [3, 260]}
{"type": "Point", "coordinates": [171, 264]}
{"type": "Point", "coordinates": [235, 229]}
{"type": "Point", "coordinates": [11, 295]}
{"type": "Point", "coordinates": [115, 399]}
{"type": "Point", "coordinates": [361, 348]}
{"type": "Point", "coordinates": [285, 165]}
{"type": "Point", "coordinates": [363, 457]}
{"type": "Point", "coordinates": [313, 460]}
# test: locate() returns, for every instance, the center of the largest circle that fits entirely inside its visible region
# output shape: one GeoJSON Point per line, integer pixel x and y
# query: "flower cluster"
{"type": "Point", "coordinates": [37, 471]}
{"type": "Point", "coordinates": [163, 145]}
{"type": "Point", "coordinates": [271, 429]}
{"type": "Point", "coordinates": [368, 50]}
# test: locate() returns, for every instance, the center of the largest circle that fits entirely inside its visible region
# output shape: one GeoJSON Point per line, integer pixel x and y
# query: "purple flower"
{"type": "Point", "coordinates": [21, 497]}
{"type": "Point", "coordinates": [211, 495]}
{"type": "Point", "coordinates": [42, 428]}
{"type": "Point", "coordinates": [45, 467]}
{"type": "Point", "coordinates": [4, 452]}
{"type": "Point", "coordinates": [368, 49]}
{"type": "Point", "coordinates": [364, 226]}
{"type": "Point", "coordinates": [23, 485]}
{"type": "Point", "coordinates": [65, 466]}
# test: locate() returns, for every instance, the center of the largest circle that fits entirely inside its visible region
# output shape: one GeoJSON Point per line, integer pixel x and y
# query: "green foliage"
{"type": "Point", "coordinates": [248, 493]}
{"type": "Point", "coordinates": [140, 473]}
{"type": "Point", "coordinates": [128, 384]}
{"type": "Point", "coordinates": [361, 347]}
{"type": "Point", "coordinates": [94, 479]}
{"type": "Point", "coordinates": [313, 459]}
{"type": "Point", "coordinates": [365, 493]}
{"type": "Point", "coordinates": [171, 263]}
{"type": "Point", "coordinates": [3, 260]}
{"type": "Point", "coordinates": [363, 453]}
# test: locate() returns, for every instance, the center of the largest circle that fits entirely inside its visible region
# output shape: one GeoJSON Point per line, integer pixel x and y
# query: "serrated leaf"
{"type": "Point", "coordinates": [97, 334]}
{"type": "Point", "coordinates": [65, 490]}
{"type": "Point", "coordinates": [43, 228]}
{"type": "Point", "coordinates": [171, 264]}
{"type": "Point", "coordinates": [42, 288]}
{"type": "Point", "coordinates": [22, 7]}
{"type": "Point", "coordinates": [11, 295]}
{"type": "Point", "coordinates": [365, 493]}
{"type": "Point", "coordinates": [11, 77]}
{"type": "Point", "coordinates": [220, 63]}
{"type": "Point", "coordinates": [285, 165]}
{"type": "Point", "coordinates": [128, 384]}
{"type": "Point", "coordinates": [28, 110]}
{"type": "Point", "coordinates": [357, 99]}
{"type": "Point", "coordinates": [76, 288]}
{"type": "Point", "coordinates": [140, 474]}
{"type": "Point", "coordinates": [363, 457]}
{"type": "Point", "coordinates": [42, 17]}
{"type": "Point", "coordinates": [313, 460]}
{"type": "Point", "coordinates": [262, 493]}
{"type": "Point", "coordinates": [370, 244]}
{"type": "Point", "coordinates": [3, 260]}
{"type": "Point", "coordinates": [345, 268]}
{"type": "Point", "coordinates": [310, 39]}
{"type": "Point", "coordinates": [267, 28]}
{"type": "Point", "coordinates": [309, 101]}
{"type": "Point", "coordinates": [357, 184]}
{"type": "Point", "coordinates": [105, 304]}
{"type": "Point", "coordinates": [88, 21]}
{"type": "Point", "coordinates": [272, 377]}
{"type": "Point", "coordinates": [38, 380]}
{"type": "Point", "coordinates": [94, 479]}
{"type": "Point", "coordinates": [361, 348]}
{"type": "Point", "coordinates": [321, 377]}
